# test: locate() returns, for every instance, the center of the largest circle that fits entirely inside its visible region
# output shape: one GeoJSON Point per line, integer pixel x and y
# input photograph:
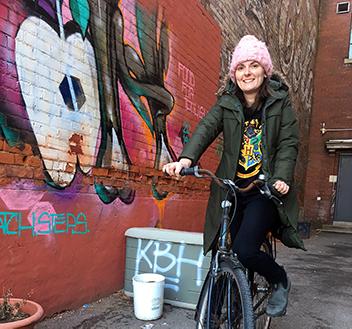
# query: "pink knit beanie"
{"type": "Point", "coordinates": [251, 49]}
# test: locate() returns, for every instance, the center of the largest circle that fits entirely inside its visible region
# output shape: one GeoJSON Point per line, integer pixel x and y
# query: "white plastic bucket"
{"type": "Point", "coordinates": [148, 296]}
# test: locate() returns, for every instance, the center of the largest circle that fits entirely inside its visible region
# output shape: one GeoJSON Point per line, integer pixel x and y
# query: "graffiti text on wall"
{"type": "Point", "coordinates": [159, 258]}
{"type": "Point", "coordinates": [188, 90]}
{"type": "Point", "coordinates": [11, 223]}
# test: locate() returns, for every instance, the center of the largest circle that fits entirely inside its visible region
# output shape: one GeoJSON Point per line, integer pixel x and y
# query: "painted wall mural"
{"type": "Point", "coordinates": [94, 84]}
{"type": "Point", "coordinates": [95, 96]}
{"type": "Point", "coordinates": [75, 106]}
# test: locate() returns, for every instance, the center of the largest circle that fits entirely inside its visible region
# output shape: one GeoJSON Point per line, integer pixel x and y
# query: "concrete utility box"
{"type": "Point", "coordinates": [177, 255]}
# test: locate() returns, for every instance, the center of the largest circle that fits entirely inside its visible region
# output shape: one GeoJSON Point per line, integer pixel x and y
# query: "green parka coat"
{"type": "Point", "coordinates": [280, 148]}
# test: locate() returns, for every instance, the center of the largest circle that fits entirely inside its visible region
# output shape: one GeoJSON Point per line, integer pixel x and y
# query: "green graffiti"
{"type": "Point", "coordinates": [11, 136]}
{"type": "Point", "coordinates": [139, 75]}
{"type": "Point", "coordinates": [184, 133]}
{"type": "Point", "coordinates": [80, 13]}
{"type": "Point", "coordinates": [156, 194]}
{"type": "Point", "coordinates": [148, 72]}
{"type": "Point", "coordinates": [109, 194]}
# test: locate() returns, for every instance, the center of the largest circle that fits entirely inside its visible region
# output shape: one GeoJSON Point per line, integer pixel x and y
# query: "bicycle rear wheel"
{"type": "Point", "coordinates": [225, 302]}
{"type": "Point", "coordinates": [261, 290]}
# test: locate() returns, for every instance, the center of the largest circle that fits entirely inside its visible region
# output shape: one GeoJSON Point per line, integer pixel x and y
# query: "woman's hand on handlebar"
{"type": "Point", "coordinates": [174, 168]}
{"type": "Point", "coordinates": [281, 187]}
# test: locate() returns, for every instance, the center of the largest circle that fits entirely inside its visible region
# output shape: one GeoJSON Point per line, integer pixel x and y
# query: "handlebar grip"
{"type": "Point", "coordinates": [188, 171]}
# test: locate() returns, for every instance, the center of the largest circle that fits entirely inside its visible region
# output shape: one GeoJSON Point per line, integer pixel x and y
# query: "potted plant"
{"type": "Point", "coordinates": [18, 313]}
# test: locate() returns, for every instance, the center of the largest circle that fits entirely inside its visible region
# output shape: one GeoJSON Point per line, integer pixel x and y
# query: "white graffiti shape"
{"type": "Point", "coordinates": [197, 263]}
{"type": "Point", "coordinates": [142, 254]}
{"type": "Point", "coordinates": [66, 132]}
{"type": "Point", "coordinates": [163, 253]}
{"type": "Point", "coordinates": [188, 90]}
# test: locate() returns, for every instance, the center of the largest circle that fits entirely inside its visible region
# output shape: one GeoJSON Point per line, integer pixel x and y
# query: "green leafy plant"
{"type": "Point", "coordinates": [10, 312]}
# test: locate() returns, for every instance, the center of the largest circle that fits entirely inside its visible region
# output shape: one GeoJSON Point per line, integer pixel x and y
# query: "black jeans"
{"type": "Point", "coordinates": [255, 217]}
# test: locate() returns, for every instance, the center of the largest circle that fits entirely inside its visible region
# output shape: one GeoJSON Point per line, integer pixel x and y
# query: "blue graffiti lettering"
{"type": "Point", "coordinates": [11, 223]}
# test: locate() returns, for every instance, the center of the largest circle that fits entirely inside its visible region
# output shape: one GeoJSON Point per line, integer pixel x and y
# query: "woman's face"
{"type": "Point", "coordinates": [249, 76]}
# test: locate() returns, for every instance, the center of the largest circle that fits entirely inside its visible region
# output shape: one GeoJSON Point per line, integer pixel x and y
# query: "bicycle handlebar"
{"type": "Point", "coordinates": [265, 189]}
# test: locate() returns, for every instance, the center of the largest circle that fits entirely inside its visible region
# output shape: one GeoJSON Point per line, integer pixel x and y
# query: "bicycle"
{"type": "Point", "coordinates": [232, 296]}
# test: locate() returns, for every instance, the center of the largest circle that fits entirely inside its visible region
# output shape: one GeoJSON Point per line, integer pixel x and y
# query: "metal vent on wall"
{"type": "Point", "coordinates": [343, 7]}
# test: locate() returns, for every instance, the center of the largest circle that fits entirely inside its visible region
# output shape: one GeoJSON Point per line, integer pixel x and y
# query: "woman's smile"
{"type": "Point", "coordinates": [249, 76]}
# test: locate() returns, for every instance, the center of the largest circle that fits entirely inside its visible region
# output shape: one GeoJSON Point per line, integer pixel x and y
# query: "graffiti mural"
{"type": "Point", "coordinates": [140, 74]}
{"type": "Point", "coordinates": [93, 84]}
{"type": "Point", "coordinates": [74, 99]}
{"type": "Point", "coordinates": [95, 96]}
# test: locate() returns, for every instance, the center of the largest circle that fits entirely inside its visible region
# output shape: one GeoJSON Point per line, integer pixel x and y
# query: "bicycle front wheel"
{"type": "Point", "coordinates": [226, 301]}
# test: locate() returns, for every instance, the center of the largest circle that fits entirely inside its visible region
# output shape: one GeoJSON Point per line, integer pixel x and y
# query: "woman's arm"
{"type": "Point", "coordinates": [206, 132]}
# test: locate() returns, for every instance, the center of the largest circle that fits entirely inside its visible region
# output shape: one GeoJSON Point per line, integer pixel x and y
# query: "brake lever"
{"type": "Point", "coordinates": [269, 192]}
{"type": "Point", "coordinates": [276, 199]}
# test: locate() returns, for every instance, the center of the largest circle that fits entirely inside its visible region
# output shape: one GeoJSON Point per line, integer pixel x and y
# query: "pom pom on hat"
{"type": "Point", "coordinates": [251, 49]}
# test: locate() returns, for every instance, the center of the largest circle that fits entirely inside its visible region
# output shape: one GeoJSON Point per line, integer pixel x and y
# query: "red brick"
{"type": "Point", "coordinates": [88, 180]}
{"type": "Point", "coordinates": [12, 97]}
{"type": "Point", "coordinates": [3, 40]}
{"type": "Point", "coordinates": [7, 158]}
{"type": "Point", "coordinates": [4, 11]}
{"type": "Point", "coordinates": [19, 159]}
{"type": "Point", "coordinates": [2, 171]}
{"type": "Point", "coordinates": [8, 27]}
{"type": "Point", "coordinates": [27, 149]}
{"type": "Point", "coordinates": [33, 161]}
{"type": "Point", "coordinates": [100, 171]}
{"type": "Point", "coordinates": [5, 181]}
{"type": "Point", "coordinates": [19, 171]}
{"type": "Point", "coordinates": [11, 149]}
{"type": "Point", "coordinates": [38, 173]}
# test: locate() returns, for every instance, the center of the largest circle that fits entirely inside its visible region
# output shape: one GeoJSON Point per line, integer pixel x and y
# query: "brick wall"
{"type": "Point", "coordinates": [93, 101]}
{"type": "Point", "coordinates": [332, 104]}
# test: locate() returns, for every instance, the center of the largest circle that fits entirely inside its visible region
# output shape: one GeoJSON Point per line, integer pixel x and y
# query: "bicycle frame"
{"type": "Point", "coordinates": [224, 249]}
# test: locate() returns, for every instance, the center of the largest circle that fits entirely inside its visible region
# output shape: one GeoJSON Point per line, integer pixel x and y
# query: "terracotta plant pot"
{"type": "Point", "coordinates": [33, 309]}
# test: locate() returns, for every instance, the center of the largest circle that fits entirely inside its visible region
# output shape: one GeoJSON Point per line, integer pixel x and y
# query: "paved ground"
{"type": "Point", "coordinates": [321, 295]}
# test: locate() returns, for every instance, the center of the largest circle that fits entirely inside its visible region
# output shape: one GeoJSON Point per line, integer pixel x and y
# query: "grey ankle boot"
{"type": "Point", "coordinates": [278, 300]}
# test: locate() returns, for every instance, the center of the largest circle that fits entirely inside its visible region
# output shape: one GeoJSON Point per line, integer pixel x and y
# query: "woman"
{"type": "Point", "coordinates": [260, 134]}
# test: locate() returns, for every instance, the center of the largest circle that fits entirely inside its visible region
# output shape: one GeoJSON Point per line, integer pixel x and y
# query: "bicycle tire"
{"type": "Point", "coordinates": [261, 290]}
{"type": "Point", "coordinates": [232, 279]}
